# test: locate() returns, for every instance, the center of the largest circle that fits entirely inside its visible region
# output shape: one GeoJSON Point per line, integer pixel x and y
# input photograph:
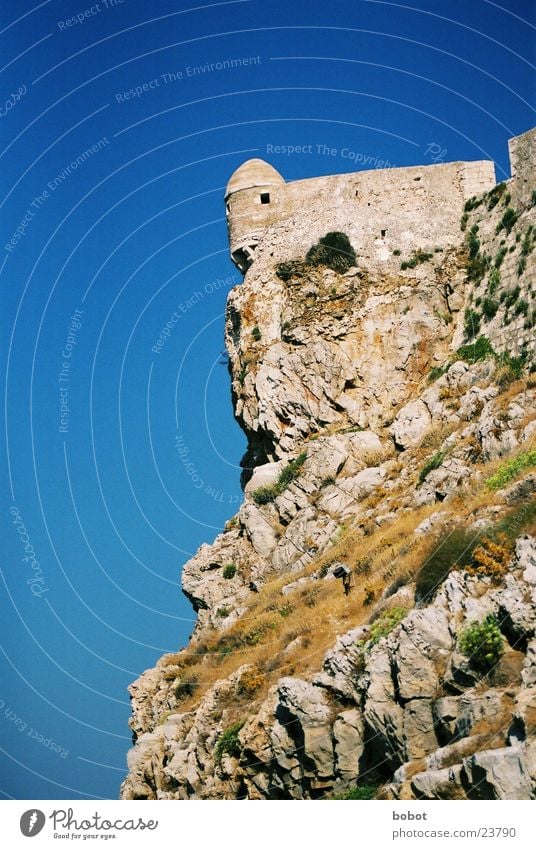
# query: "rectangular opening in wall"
{"type": "Point", "coordinates": [383, 232]}
{"type": "Point", "coordinates": [265, 197]}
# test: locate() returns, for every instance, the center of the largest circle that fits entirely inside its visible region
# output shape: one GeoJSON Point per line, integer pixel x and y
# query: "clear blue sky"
{"type": "Point", "coordinates": [100, 507]}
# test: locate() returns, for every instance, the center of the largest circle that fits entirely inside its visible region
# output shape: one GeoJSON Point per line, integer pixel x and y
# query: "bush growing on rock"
{"type": "Point", "coordinates": [491, 559]}
{"type": "Point", "coordinates": [229, 571]}
{"type": "Point", "coordinates": [417, 258]}
{"type": "Point", "coordinates": [228, 743]}
{"type": "Point", "coordinates": [482, 643]}
{"type": "Point", "coordinates": [361, 792]}
{"type": "Point", "coordinates": [266, 494]}
{"type": "Point", "coordinates": [511, 468]}
{"type": "Point", "coordinates": [478, 350]}
{"type": "Point", "coordinates": [433, 462]}
{"type": "Point", "coordinates": [507, 221]}
{"type": "Point", "coordinates": [185, 687]}
{"type": "Point", "coordinates": [250, 681]}
{"type": "Point", "coordinates": [385, 623]}
{"type": "Point", "coordinates": [489, 308]}
{"type": "Point", "coordinates": [471, 323]}
{"type": "Point", "coordinates": [333, 251]}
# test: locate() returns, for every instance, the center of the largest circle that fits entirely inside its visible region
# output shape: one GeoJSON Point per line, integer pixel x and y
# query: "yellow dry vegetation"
{"type": "Point", "coordinates": [288, 634]}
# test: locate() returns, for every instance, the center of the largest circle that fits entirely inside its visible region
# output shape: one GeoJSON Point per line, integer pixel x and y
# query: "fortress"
{"type": "Point", "coordinates": [379, 210]}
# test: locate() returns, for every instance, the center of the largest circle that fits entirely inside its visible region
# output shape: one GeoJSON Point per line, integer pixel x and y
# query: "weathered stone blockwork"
{"type": "Point", "coordinates": [398, 208]}
{"type": "Point", "coordinates": [508, 284]}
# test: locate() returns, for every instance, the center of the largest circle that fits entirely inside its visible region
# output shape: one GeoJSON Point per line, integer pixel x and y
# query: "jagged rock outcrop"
{"type": "Point", "coordinates": [290, 689]}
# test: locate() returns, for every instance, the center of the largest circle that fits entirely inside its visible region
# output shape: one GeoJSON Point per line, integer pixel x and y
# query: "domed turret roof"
{"type": "Point", "coordinates": [254, 172]}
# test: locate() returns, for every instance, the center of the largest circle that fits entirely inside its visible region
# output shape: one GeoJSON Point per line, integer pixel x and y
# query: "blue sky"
{"type": "Point", "coordinates": [112, 219]}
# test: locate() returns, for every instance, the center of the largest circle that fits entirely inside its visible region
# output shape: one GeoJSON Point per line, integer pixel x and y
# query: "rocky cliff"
{"type": "Point", "coordinates": [389, 403]}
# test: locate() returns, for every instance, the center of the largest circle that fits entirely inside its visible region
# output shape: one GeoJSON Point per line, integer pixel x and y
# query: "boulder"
{"type": "Point", "coordinates": [349, 743]}
{"type": "Point", "coordinates": [410, 424]}
{"type": "Point", "coordinates": [498, 774]}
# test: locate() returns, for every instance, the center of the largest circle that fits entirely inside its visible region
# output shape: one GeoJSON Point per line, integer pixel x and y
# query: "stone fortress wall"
{"type": "Point", "coordinates": [509, 284]}
{"type": "Point", "coordinates": [378, 210]}
{"type": "Point", "coordinates": [388, 214]}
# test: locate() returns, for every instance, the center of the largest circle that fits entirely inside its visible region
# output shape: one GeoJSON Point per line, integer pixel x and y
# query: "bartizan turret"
{"type": "Point", "coordinates": [251, 201]}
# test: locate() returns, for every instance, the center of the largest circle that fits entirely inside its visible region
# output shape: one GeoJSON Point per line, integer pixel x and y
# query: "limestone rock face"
{"type": "Point", "coordinates": [299, 741]}
{"type": "Point", "coordinates": [358, 458]}
{"type": "Point", "coordinates": [347, 354]}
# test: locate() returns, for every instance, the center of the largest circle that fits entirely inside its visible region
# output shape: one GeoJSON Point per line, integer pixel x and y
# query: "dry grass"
{"type": "Point", "coordinates": [316, 612]}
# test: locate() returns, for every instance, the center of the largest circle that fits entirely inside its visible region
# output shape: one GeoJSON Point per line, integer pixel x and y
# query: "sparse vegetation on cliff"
{"type": "Point", "coordinates": [332, 251]}
{"type": "Point", "coordinates": [229, 571]}
{"type": "Point", "coordinates": [417, 258]}
{"type": "Point", "coordinates": [424, 494]}
{"type": "Point", "coordinates": [483, 643]}
{"type": "Point", "coordinates": [266, 494]}
{"type": "Point", "coordinates": [511, 468]}
{"type": "Point", "coordinates": [228, 743]}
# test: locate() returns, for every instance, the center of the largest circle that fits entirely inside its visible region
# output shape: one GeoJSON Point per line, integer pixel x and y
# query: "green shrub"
{"type": "Point", "coordinates": [292, 470]}
{"type": "Point", "coordinates": [432, 463]}
{"type": "Point", "coordinates": [533, 198]}
{"type": "Point", "coordinates": [361, 792]}
{"type": "Point", "coordinates": [417, 258]}
{"type": "Point", "coordinates": [480, 349]}
{"type": "Point", "coordinates": [473, 244]}
{"type": "Point", "coordinates": [185, 687]}
{"type": "Point", "coordinates": [495, 195]}
{"type": "Point", "coordinates": [511, 297]}
{"type": "Point", "coordinates": [463, 221]}
{"type": "Point", "coordinates": [507, 221]}
{"type": "Point", "coordinates": [228, 743]}
{"type": "Point", "coordinates": [511, 468]}
{"type": "Point", "coordinates": [489, 308]}
{"type": "Point", "coordinates": [437, 372]}
{"type": "Point", "coordinates": [397, 252]}
{"type": "Point", "coordinates": [522, 307]}
{"type": "Point", "coordinates": [471, 323]}
{"type": "Point", "coordinates": [256, 333]}
{"type": "Point", "coordinates": [494, 281]}
{"type": "Point", "coordinates": [385, 623]}
{"type": "Point", "coordinates": [472, 203]}
{"type": "Point", "coordinates": [333, 251]}
{"type": "Point", "coordinates": [527, 245]}
{"type": "Point", "coordinates": [266, 494]}
{"type": "Point", "coordinates": [501, 253]}
{"type": "Point", "coordinates": [477, 267]}
{"type": "Point", "coordinates": [229, 571]}
{"type": "Point", "coordinates": [482, 643]}
{"type": "Point", "coordinates": [514, 366]}
{"type": "Point", "coordinates": [453, 548]}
